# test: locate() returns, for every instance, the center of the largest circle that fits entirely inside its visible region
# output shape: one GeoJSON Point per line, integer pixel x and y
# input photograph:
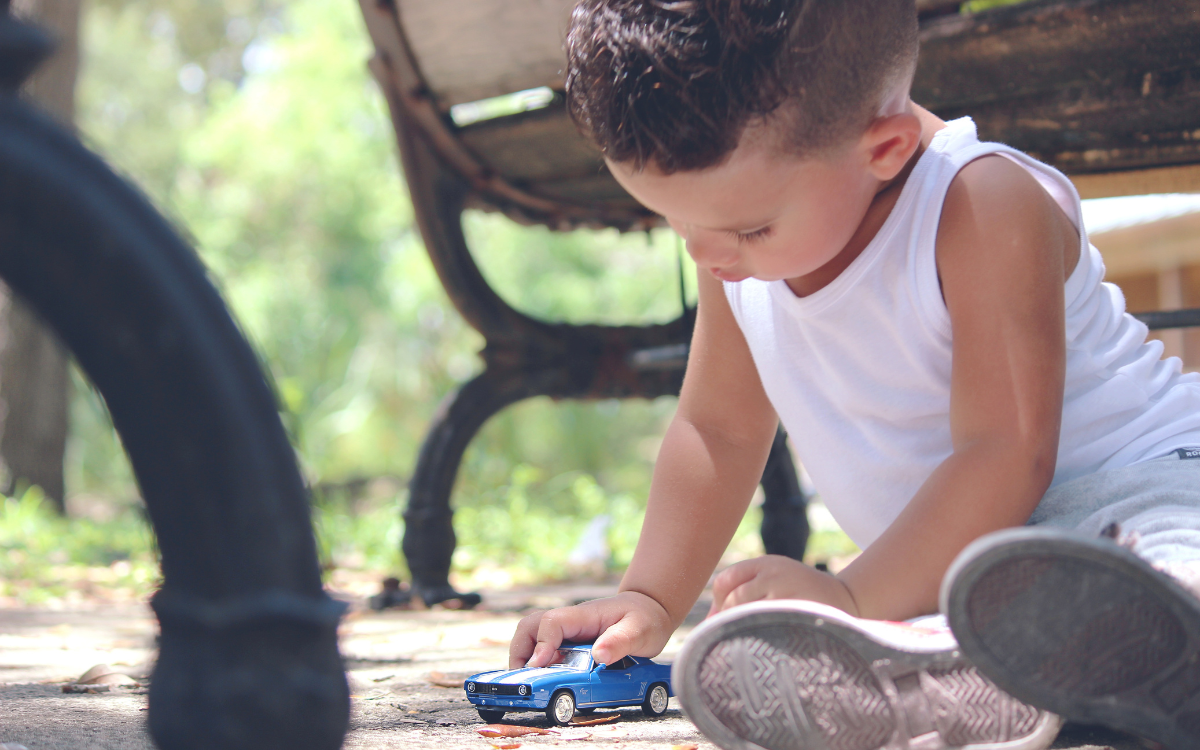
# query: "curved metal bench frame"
{"type": "Point", "coordinates": [248, 648]}
{"type": "Point", "coordinates": [524, 357]}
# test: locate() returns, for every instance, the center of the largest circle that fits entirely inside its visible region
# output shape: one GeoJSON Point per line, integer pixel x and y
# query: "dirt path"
{"type": "Point", "coordinates": [390, 658]}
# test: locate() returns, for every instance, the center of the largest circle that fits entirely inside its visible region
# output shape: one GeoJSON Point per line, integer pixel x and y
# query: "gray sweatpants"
{"type": "Point", "coordinates": [1156, 505]}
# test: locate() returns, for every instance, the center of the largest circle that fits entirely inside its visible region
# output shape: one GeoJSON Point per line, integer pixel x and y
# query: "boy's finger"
{"type": "Point", "coordinates": [617, 642]}
{"type": "Point", "coordinates": [558, 625]}
{"type": "Point", "coordinates": [519, 651]}
{"type": "Point", "coordinates": [520, 648]}
{"type": "Point", "coordinates": [750, 591]}
{"type": "Point", "coordinates": [730, 579]}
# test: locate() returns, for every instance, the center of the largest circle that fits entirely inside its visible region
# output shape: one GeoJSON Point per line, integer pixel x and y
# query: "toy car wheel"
{"type": "Point", "coordinates": [656, 700]}
{"type": "Point", "coordinates": [561, 709]}
{"type": "Point", "coordinates": [490, 716]}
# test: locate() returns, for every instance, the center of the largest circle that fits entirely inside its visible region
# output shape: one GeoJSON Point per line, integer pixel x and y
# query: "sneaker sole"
{"type": "Point", "coordinates": [1081, 627]}
{"type": "Point", "coordinates": [782, 675]}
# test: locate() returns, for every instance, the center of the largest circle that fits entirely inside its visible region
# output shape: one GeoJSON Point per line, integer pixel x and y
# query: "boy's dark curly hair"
{"type": "Point", "coordinates": [674, 83]}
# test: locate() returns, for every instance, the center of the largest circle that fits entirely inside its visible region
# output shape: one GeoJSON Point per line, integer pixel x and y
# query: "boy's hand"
{"type": "Point", "coordinates": [626, 624]}
{"type": "Point", "coordinates": [778, 577]}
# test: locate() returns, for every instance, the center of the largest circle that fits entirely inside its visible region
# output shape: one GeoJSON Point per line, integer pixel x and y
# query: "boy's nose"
{"type": "Point", "coordinates": [710, 253]}
{"type": "Point", "coordinates": [709, 249]}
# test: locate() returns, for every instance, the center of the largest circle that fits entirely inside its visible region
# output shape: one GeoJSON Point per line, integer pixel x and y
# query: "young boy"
{"type": "Point", "coordinates": [924, 313]}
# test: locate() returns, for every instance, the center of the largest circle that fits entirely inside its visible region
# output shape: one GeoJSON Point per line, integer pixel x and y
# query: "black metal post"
{"type": "Point", "coordinates": [248, 653]}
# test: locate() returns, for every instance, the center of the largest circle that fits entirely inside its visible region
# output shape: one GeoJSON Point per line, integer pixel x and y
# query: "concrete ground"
{"type": "Point", "coordinates": [393, 658]}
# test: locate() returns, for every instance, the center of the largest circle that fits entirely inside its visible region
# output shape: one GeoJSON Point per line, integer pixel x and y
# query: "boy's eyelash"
{"type": "Point", "coordinates": [757, 234]}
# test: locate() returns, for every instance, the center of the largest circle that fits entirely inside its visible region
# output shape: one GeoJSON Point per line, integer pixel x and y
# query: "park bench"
{"type": "Point", "coordinates": [1108, 91]}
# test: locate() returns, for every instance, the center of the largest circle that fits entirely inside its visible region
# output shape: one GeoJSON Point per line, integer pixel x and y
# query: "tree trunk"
{"type": "Point", "coordinates": [34, 380]}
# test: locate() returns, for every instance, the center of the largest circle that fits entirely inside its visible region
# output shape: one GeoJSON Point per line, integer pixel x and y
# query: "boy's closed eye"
{"type": "Point", "coordinates": [751, 236]}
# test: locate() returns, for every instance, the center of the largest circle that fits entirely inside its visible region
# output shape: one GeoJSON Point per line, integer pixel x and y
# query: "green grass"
{"type": "Point", "coordinates": [530, 525]}
{"type": "Point", "coordinates": [829, 545]}
{"type": "Point", "coordinates": [45, 557]}
{"type": "Point", "coordinates": [367, 538]}
{"type": "Point", "coordinates": [520, 532]}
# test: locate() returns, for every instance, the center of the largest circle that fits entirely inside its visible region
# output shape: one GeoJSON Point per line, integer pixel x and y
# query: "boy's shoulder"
{"type": "Point", "coordinates": [993, 186]}
{"type": "Point", "coordinates": [994, 203]}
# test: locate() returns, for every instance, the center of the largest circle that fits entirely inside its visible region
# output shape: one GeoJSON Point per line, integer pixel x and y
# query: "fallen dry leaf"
{"type": "Point", "coordinates": [447, 680]}
{"type": "Point", "coordinates": [686, 746]}
{"type": "Point", "coordinates": [116, 678]}
{"type": "Point", "coordinates": [511, 730]}
{"type": "Point", "coordinates": [611, 718]}
{"type": "Point", "coordinates": [505, 745]}
{"type": "Point", "coordinates": [102, 674]}
{"type": "Point", "coordinates": [96, 671]}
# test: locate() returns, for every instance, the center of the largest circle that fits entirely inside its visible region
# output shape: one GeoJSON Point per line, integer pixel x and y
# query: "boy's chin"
{"type": "Point", "coordinates": [730, 276]}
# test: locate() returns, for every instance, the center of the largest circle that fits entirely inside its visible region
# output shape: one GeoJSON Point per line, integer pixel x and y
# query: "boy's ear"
{"type": "Point", "coordinates": [889, 143]}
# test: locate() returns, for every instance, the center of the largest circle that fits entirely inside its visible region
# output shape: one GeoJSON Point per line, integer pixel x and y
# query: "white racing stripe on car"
{"type": "Point", "coordinates": [518, 676]}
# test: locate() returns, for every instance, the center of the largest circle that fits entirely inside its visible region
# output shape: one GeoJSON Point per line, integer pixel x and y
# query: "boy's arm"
{"type": "Point", "coordinates": [1004, 249]}
{"type": "Point", "coordinates": [711, 459]}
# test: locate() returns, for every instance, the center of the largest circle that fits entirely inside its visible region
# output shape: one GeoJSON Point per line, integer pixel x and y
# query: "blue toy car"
{"type": "Point", "coordinates": [571, 681]}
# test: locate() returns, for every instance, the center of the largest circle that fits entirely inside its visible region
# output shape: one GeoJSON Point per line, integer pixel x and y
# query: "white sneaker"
{"type": "Point", "coordinates": [795, 675]}
{"type": "Point", "coordinates": [1083, 627]}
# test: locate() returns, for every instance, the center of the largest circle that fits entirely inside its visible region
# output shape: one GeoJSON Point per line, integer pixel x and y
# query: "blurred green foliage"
{"type": "Point", "coordinates": [975, 6]}
{"type": "Point", "coordinates": [255, 126]}
{"type": "Point", "coordinates": [45, 556]}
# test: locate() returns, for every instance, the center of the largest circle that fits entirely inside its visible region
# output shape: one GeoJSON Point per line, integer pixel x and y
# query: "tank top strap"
{"type": "Point", "coordinates": [960, 145]}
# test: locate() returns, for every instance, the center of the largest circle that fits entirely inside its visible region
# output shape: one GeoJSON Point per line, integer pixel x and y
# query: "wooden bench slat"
{"type": "Point", "coordinates": [534, 146]}
{"type": "Point", "coordinates": [470, 50]}
{"type": "Point", "coordinates": [476, 49]}
{"type": "Point", "coordinates": [598, 189]}
{"type": "Point", "coordinates": [1182, 179]}
{"type": "Point", "coordinates": [1106, 90]}
{"type": "Point", "coordinates": [1086, 85]}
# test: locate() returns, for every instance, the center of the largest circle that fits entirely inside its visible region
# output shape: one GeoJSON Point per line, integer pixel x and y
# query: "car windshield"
{"type": "Point", "coordinates": [572, 658]}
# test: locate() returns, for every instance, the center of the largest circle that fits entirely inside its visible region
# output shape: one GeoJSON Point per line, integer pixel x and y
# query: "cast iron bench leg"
{"type": "Point", "coordinates": [429, 538]}
{"type": "Point", "coordinates": [785, 506]}
{"type": "Point", "coordinates": [248, 653]}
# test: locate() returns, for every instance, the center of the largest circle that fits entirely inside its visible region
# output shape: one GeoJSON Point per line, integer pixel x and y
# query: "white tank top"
{"type": "Point", "coordinates": [859, 371]}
